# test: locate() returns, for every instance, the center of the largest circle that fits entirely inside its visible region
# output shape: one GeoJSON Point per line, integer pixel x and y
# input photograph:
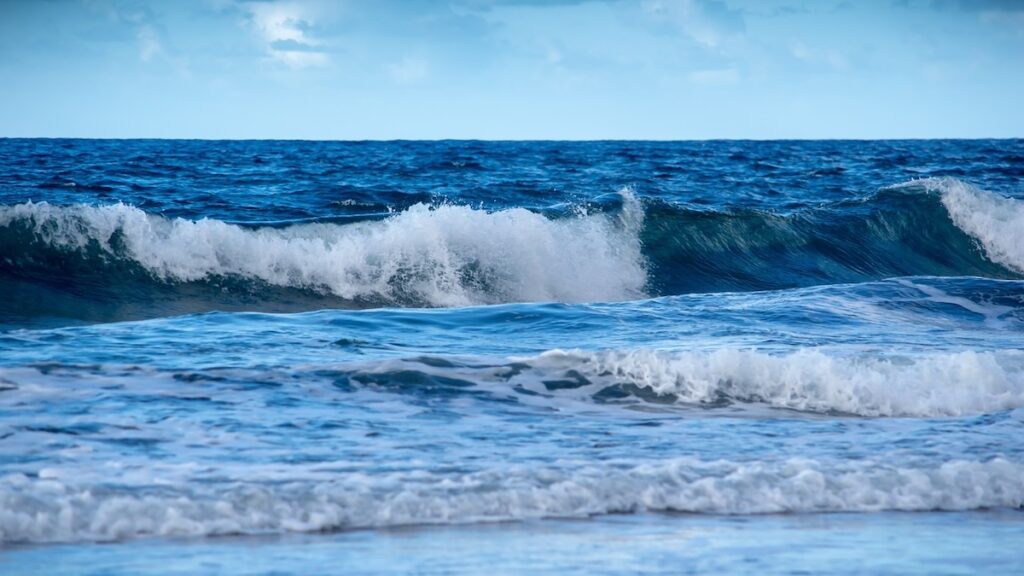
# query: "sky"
{"type": "Point", "coordinates": [512, 69]}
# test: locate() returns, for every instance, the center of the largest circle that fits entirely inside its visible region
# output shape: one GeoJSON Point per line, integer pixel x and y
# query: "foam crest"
{"type": "Point", "coordinates": [48, 510]}
{"type": "Point", "coordinates": [996, 222]}
{"type": "Point", "coordinates": [936, 384]}
{"type": "Point", "coordinates": [439, 256]}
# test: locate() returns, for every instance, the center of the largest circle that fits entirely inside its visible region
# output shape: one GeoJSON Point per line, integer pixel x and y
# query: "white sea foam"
{"type": "Point", "coordinates": [441, 256]}
{"type": "Point", "coordinates": [933, 384]}
{"type": "Point", "coordinates": [995, 221]}
{"type": "Point", "coordinates": [47, 510]}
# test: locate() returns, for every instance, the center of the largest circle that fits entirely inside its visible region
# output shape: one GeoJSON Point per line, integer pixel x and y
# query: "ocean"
{"type": "Point", "coordinates": [254, 357]}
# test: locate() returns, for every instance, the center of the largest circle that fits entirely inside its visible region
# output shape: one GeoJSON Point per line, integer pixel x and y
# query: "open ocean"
{"type": "Point", "coordinates": [251, 357]}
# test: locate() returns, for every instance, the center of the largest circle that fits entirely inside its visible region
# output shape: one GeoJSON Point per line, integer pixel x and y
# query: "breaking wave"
{"type": "Point", "coordinates": [452, 255]}
{"type": "Point", "coordinates": [428, 256]}
{"type": "Point", "coordinates": [55, 510]}
{"type": "Point", "coordinates": [924, 385]}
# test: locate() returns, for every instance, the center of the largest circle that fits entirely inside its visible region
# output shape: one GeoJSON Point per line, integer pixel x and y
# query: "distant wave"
{"type": "Point", "coordinates": [54, 509]}
{"type": "Point", "coordinates": [451, 255]}
{"type": "Point", "coordinates": [809, 380]}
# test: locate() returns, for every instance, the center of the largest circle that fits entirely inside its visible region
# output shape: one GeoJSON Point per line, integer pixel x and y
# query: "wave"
{"type": "Point", "coordinates": [452, 255]}
{"type": "Point", "coordinates": [54, 510]}
{"type": "Point", "coordinates": [425, 256]}
{"type": "Point", "coordinates": [439, 256]}
{"type": "Point", "coordinates": [996, 222]}
{"type": "Point", "coordinates": [933, 227]}
{"type": "Point", "coordinates": [808, 380]}
{"type": "Point", "coordinates": [815, 381]}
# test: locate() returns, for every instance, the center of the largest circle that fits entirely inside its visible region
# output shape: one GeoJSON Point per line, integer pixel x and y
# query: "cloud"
{"type": "Point", "coordinates": [805, 53]}
{"type": "Point", "coordinates": [149, 44]}
{"type": "Point", "coordinates": [1013, 19]}
{"type": "Point", "coordinates": [292, 46]}
{"type": "Point", "coordinates": [286, 28]}
{"type": "Point", "coordinates": [488, 4]}
{"type": "Point", "coordinates": [298, 60]}
{"type": "Point", "coordinates": [709, 23]}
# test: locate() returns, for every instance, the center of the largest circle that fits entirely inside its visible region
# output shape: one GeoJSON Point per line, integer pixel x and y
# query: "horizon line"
{"type": "Point", "coordinates": [497, 140]}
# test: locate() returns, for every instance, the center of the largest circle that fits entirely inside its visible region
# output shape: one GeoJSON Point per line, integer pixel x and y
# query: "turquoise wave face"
{"type": "Point", "coordinates": [210, 338]}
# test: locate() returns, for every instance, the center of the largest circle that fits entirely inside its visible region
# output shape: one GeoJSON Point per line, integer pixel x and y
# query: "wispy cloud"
{"type": "Point", "coordinates": [831, 58]}
{"type": "Point", "coordinates": [408, 70]}
{"type": "Point", "coordinates": [709, 23]}
{"type": "Point", "coordinates": [1013, 19]}
{"type": "Point", "coordinates": [149, 43]}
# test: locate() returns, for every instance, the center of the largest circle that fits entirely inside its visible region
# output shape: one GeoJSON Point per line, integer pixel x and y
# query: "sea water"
{"type": "Point", "coordinates": [270, 357]}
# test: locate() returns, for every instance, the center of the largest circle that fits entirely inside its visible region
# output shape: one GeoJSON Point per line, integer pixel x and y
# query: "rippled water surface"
{"type": "Point", "coordinates": [609, 356]}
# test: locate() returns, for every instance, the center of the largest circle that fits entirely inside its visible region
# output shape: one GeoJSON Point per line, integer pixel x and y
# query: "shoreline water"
{"type": "Point", "coordinates": [876, 543]}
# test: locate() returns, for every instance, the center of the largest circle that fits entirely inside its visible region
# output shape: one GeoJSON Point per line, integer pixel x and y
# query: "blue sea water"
{"type": "Point", "coordinates": [270, 357]}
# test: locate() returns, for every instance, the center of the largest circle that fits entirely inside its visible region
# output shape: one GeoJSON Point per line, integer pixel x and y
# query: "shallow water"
{"type": "Point", "coordinates": [266, 339]}
{"type": "Point", "coordinates": [881, 543]}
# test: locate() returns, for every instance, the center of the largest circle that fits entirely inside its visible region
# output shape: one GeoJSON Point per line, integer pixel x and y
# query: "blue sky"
{"type": "Point", "coordinates": [512, 69]}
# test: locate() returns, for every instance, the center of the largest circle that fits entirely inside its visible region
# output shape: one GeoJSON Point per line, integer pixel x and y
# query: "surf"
{"type": "Point", "coordinates": [54, 509]}
{"type": "Point", "coordinates": [116, 261]}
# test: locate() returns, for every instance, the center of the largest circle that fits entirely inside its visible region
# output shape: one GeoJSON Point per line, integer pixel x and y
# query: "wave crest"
{"type": "Point", "coordinates": [923, 385]}
{"type": "Point", "coordinates": [994, 221]}
{"type": "Point", "coordinates": [939, 227]}
{"type": "Point", "coordinates": [437, 256]}
{"type": "Point", "coordinates": [50, 510]}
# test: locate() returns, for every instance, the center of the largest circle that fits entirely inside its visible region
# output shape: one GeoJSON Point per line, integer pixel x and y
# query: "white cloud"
{"type": "Point", "coordinates": [284, 26]}
{"type": "Point", "coordinates": [280, 22]}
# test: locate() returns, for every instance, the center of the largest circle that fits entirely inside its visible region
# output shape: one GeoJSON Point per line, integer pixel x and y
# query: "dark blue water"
{"type": "Point", "coordinates": [262, 338]}
{"type": "Point", "coordinates": [273, 225]}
